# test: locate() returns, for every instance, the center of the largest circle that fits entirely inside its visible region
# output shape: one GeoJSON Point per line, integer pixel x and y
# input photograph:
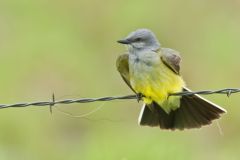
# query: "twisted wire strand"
{"type": "Point", "coordinates": [227, 91]}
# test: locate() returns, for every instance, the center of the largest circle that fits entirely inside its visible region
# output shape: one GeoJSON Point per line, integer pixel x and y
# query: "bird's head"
{"type": "Point", "coordinates": [141, 39]}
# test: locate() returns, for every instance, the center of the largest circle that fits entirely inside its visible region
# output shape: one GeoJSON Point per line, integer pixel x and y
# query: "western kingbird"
{"type": "Point", "coordinates": [153, 72]}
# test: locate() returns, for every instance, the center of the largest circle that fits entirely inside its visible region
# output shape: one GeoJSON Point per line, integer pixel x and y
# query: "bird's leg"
{"type": "Point", "coordinates": [139, 96]}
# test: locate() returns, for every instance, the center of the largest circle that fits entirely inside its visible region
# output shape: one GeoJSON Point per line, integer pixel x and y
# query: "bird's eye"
{"type": "Point", "coordinates": [138, 39]}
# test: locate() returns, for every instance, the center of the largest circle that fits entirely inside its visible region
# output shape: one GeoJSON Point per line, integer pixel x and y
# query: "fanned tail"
{"type": "Point", "coordinates": [194, 112]}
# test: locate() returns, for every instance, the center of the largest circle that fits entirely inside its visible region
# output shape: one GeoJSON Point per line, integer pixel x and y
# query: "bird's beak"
{"type": "Point", "coordinates": [124, 41]}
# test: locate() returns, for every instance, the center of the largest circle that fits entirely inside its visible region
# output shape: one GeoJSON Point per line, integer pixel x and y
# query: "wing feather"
{"type": "Point", "coordinates": [123, 68]}
{"type": "Point", "coordinates": [171, 58]}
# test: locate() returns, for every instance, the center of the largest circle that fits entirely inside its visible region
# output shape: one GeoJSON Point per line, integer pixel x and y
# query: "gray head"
{"type": "Point", "coordinates": [141, 39]}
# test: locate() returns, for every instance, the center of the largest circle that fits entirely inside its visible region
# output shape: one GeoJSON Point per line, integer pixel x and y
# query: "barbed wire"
{"type": "Point", "coordinates": [227, 91]}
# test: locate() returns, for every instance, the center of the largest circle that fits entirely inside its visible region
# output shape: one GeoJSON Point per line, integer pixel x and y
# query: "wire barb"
{"type": "Point", "coordinates": [52, 104]}
{"type": "Point", "coordinates": [227, 91]}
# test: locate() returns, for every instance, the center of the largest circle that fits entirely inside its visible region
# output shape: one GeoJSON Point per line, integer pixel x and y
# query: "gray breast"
{"type": "Point", "coordinates": [143, 62]}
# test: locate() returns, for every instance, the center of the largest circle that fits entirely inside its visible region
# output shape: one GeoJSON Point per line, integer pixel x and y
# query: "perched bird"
{"type": "Point", "coordinates": [153, 73]}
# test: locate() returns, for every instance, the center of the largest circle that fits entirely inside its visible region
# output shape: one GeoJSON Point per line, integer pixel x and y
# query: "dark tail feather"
{"type": "Point", "coordinates": [194, 112]}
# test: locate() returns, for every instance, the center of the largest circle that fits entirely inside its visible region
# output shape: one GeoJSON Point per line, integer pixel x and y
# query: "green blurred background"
{"type": "Point", "coordinates": [69, 47]}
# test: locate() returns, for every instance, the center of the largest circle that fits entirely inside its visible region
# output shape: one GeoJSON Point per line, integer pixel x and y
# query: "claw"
{"type": "Point", "coordinates": [139, 96]}
{"type": "Point", "coordinates": [229, 93]}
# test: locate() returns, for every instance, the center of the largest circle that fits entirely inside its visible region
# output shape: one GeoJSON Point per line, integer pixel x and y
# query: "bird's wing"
{"type": "Point", "coordinates": [171, 58]}
{"type": "Point", "coordinates": [123, 68]}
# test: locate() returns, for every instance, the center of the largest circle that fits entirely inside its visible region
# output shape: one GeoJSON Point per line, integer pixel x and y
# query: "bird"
{"type": "Point", "coordinates": [152, 72]}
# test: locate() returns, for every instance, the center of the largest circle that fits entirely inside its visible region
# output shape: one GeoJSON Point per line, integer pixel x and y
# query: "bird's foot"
{"type": "Point", "coordinates": [139, 96]}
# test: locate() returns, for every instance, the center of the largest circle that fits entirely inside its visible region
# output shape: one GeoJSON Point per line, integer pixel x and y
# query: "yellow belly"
{"type": "Point", "coordinates": [156, 83]}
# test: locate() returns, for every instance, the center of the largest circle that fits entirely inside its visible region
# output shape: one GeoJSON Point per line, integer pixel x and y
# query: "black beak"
{"type": "Point", "coordinates": [124, 41]}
